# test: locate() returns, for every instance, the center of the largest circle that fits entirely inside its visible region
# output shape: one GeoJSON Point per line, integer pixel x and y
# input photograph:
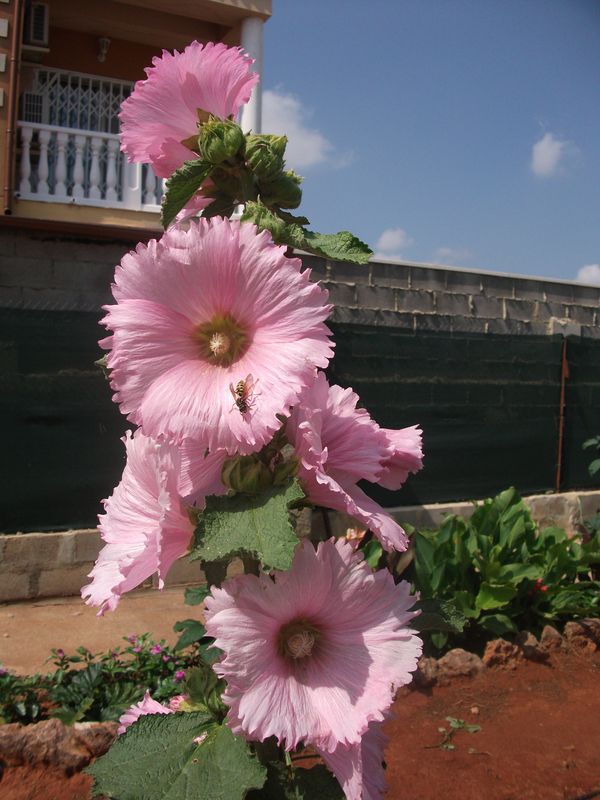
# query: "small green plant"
{"type": "Point", "coordinates": [593, 444]}
{"type": "Point", "coordinates": [90, 686]}
{"type": "Point", "coordinates": [503, 574]}
{"type": "Point", "coordinates": [447, 742]}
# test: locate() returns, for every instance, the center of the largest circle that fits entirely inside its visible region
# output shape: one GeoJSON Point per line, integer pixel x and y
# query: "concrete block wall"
{"type": "Point", "coordinates": [473, 357]}
{"type": "Point", "coordinates": [39, 565]}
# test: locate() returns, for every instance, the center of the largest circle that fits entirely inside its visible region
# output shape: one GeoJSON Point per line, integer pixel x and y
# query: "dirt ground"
{"type": "Point", "coordinates": [539, 739]}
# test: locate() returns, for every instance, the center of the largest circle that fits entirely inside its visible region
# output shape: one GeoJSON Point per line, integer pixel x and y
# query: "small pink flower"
{"type": "Point", "coordinates": [145, 526]}
{"type": "Point", "coordinates": [175, 702]}
{"type": "Point", "coordinates": [145, 706]}
{"type": "Point", "coordinates": [359, 767]}
{"type": "Point", "coordinates": [314, 654]}
{"type": "Point", "coordinates": [181, 89]}
{"type": "Point", "coordinates": [179, 676]}
{"type": "Point", "coordinates": [156, 649]}
{"type": "Point", "coordinates": [215, 333]}
{"type": "Point", "coordinates": [339, 444]}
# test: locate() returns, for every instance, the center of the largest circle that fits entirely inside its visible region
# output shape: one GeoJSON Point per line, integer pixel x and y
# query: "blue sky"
{"type": "Point", "coordinates": [464, 132]}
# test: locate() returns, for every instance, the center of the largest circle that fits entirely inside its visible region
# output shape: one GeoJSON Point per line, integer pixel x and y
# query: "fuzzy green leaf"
{"type": "Point", "coordinates": [157, 759]}
{"type": "Point", "coordinates": [191, 631]}
{"type": "Point", "coordinates": [342, 246]}
{"type": "Point", "coordinates": [438, 615]}
{"type": "Point", "coordinates": [257, 525]}
{"type": "Point", "coordinates": [181, 187]}
{"type": "Point", "coordinates": [195, 595]}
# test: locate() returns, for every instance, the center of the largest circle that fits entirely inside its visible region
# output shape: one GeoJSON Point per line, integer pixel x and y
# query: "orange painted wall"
{"type": "Point", "coordinates": [78, 51]}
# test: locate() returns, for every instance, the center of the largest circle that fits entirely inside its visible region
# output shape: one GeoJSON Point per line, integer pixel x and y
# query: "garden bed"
{"type": "Point", "coordinates": [537, 706]}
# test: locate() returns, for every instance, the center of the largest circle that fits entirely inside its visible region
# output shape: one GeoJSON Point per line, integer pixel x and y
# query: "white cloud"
{"type": "Point", "coordinates": [589, 274]}
{"type": "Point", "coordinates": [391, 243]}
{"type": "Point", "coordinates": [452, 255]}
{"type": "Point", "coordinates": [285, 114]}
{"type": "Point", "coordinates": [548, 155]}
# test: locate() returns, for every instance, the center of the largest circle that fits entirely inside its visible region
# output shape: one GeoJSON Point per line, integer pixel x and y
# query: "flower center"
{"type": "Point", "coordinates": [297, 639]}
{"type": "Point", "coordinates": [221, 340]}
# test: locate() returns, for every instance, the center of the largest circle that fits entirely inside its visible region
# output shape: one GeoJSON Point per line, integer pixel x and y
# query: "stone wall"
{"type": "Point", "coordinates": [37, 565]}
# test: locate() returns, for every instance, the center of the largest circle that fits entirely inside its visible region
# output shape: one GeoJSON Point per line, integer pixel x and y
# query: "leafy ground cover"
{"type": "Point", "coordinates": [86, 686]}
{"type": "Point", "coordinates": [498, 573]}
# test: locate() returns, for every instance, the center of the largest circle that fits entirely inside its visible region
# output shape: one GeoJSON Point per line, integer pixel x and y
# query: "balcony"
{"type": "Point", "coordinates": [69, 145]}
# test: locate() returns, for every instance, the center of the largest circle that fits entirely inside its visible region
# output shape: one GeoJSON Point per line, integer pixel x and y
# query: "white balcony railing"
{"type": "Point", "coordinates": [70, 165]}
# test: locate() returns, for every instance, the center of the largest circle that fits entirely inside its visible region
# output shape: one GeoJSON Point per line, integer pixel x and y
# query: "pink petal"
{"type": "Point", "coordinates": [162, 111]}
{"type": "Point", "coordinates": [365, 648]}
{"type": "Point", "coordinates": [145, 528]}
{"type": "Point", "coordinates": [145, 706]}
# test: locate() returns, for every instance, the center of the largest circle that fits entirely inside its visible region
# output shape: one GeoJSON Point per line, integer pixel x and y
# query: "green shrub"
{"type": "Point", "coordinates": [87, 686]}
{"type": "Point", "coordinates": [504, 574]}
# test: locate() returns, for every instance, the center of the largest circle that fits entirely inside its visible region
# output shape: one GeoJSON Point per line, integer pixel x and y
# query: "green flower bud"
{"type": "Point", "coordinates": [264, 155]}
{"type": "Point", "coordinates": [284, 192]}
{"type": "Point", "coordinates": [220, 141]}
{"type": "Point", "coordinates": [246, 474]}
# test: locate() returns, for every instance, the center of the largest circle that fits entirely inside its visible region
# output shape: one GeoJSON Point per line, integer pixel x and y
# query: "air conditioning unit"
{"type": "Point", "coordinates": [35, 30]}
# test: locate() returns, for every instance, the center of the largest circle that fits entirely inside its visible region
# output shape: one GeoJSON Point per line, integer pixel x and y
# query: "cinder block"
{"type": "Point", "coordinates": [468, 325]}
{"type": "Point", "coordinates": [590, 331]}
{"type": "Point", "coordinates": [497, 285]}
{"type": "Point", "coordinates": [349, 273]}
{"type": "Point", "coordinates": [14, 585]}
{"type": "Point", "coordinates": [486, 307]}
{"type": "Point", "coordinates": [63, 580]}
{"type": "Point", "coordinates": [320, 267]}
{"type": "Point", "coordinates": [584, 315]}
{"type": "Point", "coordinates": [379, 297]}
{"type": "Point", "coordinates": [86, 545]}
{"type": "Point", "coordinates": [28, 551]}
{"type": "Point", "coordinates": [421, 301]}
{"type": "Point", "coordinates": [426, 278]}
{"type": "Point", "coordinates": [393, 275]}
{"type": "Point", "coordinates": [433, 322]}
{"type": "Point", "coordinates": [589, 504]}
{"type": "Point", "coordinates": [446, 303]}
{"type": "Point", "coordinates": [184, 572]}
{"type": "Point", "coordinates": [527, 289]}
{"type": "Point", "coordinates": [463, 282]}
{"type": "Point", "coordinates": [341, 294]}
{"type": "Point", "coordinates": [519, 309]}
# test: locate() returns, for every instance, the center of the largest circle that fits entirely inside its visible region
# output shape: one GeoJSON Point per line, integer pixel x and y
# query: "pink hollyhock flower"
{"type": "Point", "coordinates": [339, 444]}
{"type": "Point", "coordinates": [145, 526]}
{"type": "Point", "coordinates": [359, 767]}
{"type": "Point", "coordinates": [215, 334]}
{"type": "Point", "coordinates": [145, 706]}
{"type": "Point", "coordinates": [314, 654]}
{"type": "Point", "coordinates": [181, 90]}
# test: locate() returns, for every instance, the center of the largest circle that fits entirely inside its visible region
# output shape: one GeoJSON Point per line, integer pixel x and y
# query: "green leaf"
{"type": "Point", "coordinates": [196, 595]}
{"type": "Point", "coordinates": [515, 573]}
{"type": "Point", "coordinates": [438, 615]}
{"type": "Point", "coordinates": [498, 624]}
{"type": "Point", "coordinates": [342, 246]}
{"type": "Point", "coordinates": [204, 689]}
{"type": "Point", "coordinates": [258, 525]}
{"type": "Point", "coordinates": [373, 552]}
{"type": "Point", "coordinates": [594, 467]}
{"type": "Point", "coordinates": [491, 596]}
{"type": "Point", "coordinates": [193, 631]}
{"type": "Point", "coordinates": [181, 187]}
{"type": "Point", "coordinates": [157, 759]}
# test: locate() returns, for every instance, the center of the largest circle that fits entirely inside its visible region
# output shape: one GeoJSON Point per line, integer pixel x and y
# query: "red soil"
{"type": "Point", "coordinates": [539, 737]}
{"type": "Point", "coordinates": [539, 740]}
